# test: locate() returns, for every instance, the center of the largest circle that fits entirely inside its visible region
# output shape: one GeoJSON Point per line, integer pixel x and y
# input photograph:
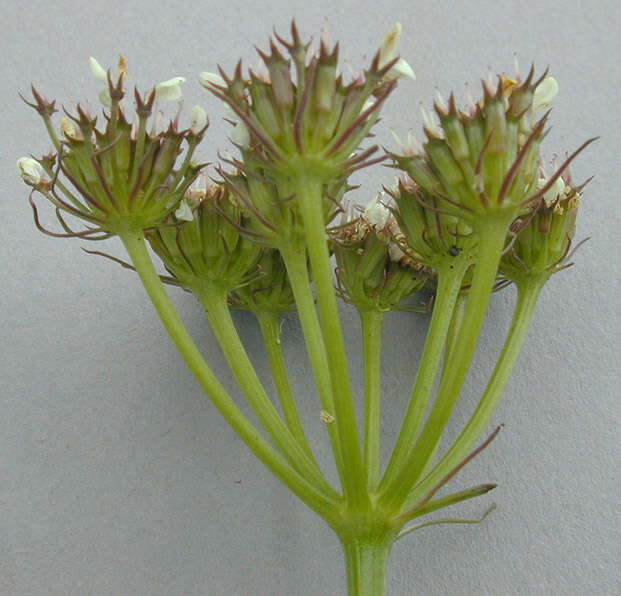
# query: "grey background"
{"type": "Point", "coordinates": [117, 476]}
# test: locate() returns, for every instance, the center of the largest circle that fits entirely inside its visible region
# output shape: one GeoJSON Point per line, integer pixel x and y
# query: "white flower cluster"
{"type": "Point", "coordinates": [381, 219]}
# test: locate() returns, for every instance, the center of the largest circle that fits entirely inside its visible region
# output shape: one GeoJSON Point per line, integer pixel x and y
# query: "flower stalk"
{"type": "Point", "coordinates": [372, 321]}
{"type": "Point", "coordinates": [137, 251]}
{"type": "Point", "coordinates": [219, 317]}
{"type": "Point", "coordinates": [270, 324]}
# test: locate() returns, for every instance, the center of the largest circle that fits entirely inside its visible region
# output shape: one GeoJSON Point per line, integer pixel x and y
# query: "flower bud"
{"type": "Point", "coordinates": [206, 248]}
{"type": "Point", "coordinates": [269, 289]}
{"type": "Point", "coordinates": [387, 53]}
{"type": "Point", "coordinates": [373, 272]}
{"type": "Point", "coordinates": [211, 78]}
{"type": "Point", "coordinates": [69, 130]}
{"type": "Point", "coordinates": [30, 170]}
{"type": "Point", "coordinates": [543, 237]}
{"type": "Point", "coordinates": [430, 237]}
{"type": "Point", "coordinates": [545, 92]}
{"type": "Point", "coordinates": [99, 72]}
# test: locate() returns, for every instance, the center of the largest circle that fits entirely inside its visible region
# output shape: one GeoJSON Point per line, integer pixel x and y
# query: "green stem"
{"type": "Point", "coordinates": [456, 320]}
{"type": "Point", "coordinates": [491, 242]}
{"type": "Point", "coordinates": [450, 275]}
{"type": "Point", "coordinates": [135, 245]}
{"type": "Point", "coordinates": [50, 131]}
{"type": "Point", "coordinates": [528, 293]}
{"type": "Point", "coordinates": [269, 322]}
{"type": "Point", "coordinates": [309, 192]}
{"type": "Point", "coordinates": [219, 317]}
{"type": "Point", "coordinates": [372, 321]}
{"type": "Point", "coordinates": [366, 561]}
{"type": "Point", "coordinates": [297, 270]}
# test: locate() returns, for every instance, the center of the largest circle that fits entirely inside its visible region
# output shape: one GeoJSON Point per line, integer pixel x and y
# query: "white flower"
{"type": "Point", "coordinates": [554, 192]}
{"type": "Point", "coordinates": [387, 53]}
{"type": "Point", "coordinates": [197, 191]}
{"type": "Point", "coordinates": [169, 90]}
{"type": "Point", "coordinates": [412, 146]}
{"type": "Point", "coordinates": [377, 214]}
{"type": "Point", "coordinates": [101, 75]}
{"type": "Point", "coordinates": [211, 78]}
{"type": "Point", "coordinates": [99, 72]}
{"type": "Point", "coordinates": [184, 211]}
{"type": "Point", "coordinates": [545, 92]}
{"type": "Point", "coordinates": [399, 70]}
{"type": "Point", "coordinates": [198, 119]}
{"type": "Point", "coordinates": [239, 134]}
{"type": "Point", "coordinates": [30, 170]}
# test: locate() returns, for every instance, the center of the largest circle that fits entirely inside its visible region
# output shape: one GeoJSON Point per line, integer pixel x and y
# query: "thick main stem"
{"type": "Point", "coordinates": [135, 245]}
{"type": "Point", "coordinates": [219, 317]}
{"type": "Point", "coordinates": [450, 275]}
{"type": "Point", "coordinates": [528, 293]}
{"type": "Point", "coordinates": [491, 243]}
{"type": "Point", "coordinates": [366, 561]}
{"type": "Point", "coordinates": [269, 322]}
{"type": "Point", "coordinates": [309, 192]}
{"type": "Point", "coordinates": [372, 341]}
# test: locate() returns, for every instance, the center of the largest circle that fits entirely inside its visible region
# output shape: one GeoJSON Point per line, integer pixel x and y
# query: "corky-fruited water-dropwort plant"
{"type": "Point", "coordinates": [473, 210]}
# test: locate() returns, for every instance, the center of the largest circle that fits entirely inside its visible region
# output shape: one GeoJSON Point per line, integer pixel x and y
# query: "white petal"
{"type": "Point", "coordinates": [30, 170]}
{"type": "Point", "coordinates": [555, 191]}
{"type": "Point", "coordinates": [399, 70]}
{"type": "Point", "coordinates": [430, 122]}
{"type": "Point", "coordinates": [156, 122]}
{"type": "Point", "coordinates": [211, 78]}
{"type": "Point", "coordinates": [395, 252]}
{"type": "Point", "coordinates": [411, 147]}
{"type": "Point", "coordinates": [169, 90]}
{"type": "Point", "coordinates": [198, 118]}
{"type": "Point", "coordinates": [197, 190]}
{"type": "Point", "coordinates": [104, 97]}
{"type": "Point", "coordinates": [388, 49]}
{"type": "Point", "coordinates": [376, 214]}
{"type": "Point", "coordinates": [231, 114]}
{"type": "Point", "coordinates": [240, 135]}
{"type": "Point", "coordinates": [99, 72]}
{"type": "Point", "coordinates": [184, 212]}
{"type": "Point", "coordinates": [544, 93]}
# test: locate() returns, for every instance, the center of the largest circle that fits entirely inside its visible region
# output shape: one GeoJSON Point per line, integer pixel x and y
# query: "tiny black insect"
{"type": "Point", "coordinates": [454, 250]}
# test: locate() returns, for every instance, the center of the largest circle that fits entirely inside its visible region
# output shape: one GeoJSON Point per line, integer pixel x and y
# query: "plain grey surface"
{"type": "Point", "coordinates": [117, 476]}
